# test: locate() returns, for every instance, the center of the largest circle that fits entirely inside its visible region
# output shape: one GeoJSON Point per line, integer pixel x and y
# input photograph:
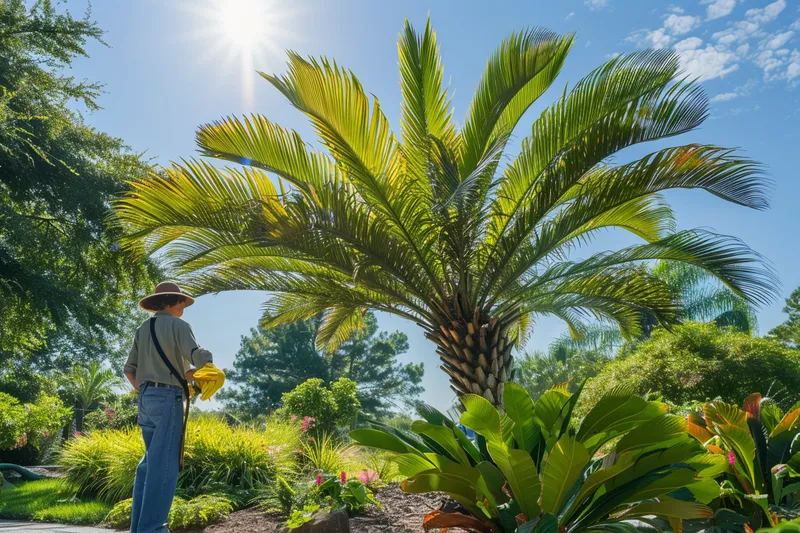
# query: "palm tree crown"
{"type": "Point", "coordinates": [429, 226]}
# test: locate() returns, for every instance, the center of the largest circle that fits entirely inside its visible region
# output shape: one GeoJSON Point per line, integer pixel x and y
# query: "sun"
{"type": "Point", "coordinates": [244, 22]}
{"type": "Point", "coordinates": [245, 35]}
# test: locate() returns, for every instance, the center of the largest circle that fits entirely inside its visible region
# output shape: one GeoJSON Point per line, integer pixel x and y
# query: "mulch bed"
{"type": "Point", "coordinates": [401, 513]}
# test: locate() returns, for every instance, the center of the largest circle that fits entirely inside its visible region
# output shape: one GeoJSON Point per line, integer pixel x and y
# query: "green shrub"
{"type": "Point", "coordinates": [192, 514]}
{"type": "Point", "coordinates": [31, 423]}
{"type": "Point", "coordinates": [120, 414]}
{"type": "Point", "coordinates": [50, 500]}
{"type": "Point", "coordinates": [218, 458]}
{"type": "Point", "coordinates": [702, 362]}
{"type": "Point", "coordinates": [329, 407]}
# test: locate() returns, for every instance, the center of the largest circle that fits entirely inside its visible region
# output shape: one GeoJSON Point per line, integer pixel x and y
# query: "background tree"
{"type": "Point", "coordinates": [701, 362]}
{"type": "Point", "coordinates": [58, 179]}
{"type": "Point", "coordinates": [272, 362]}
{"type": "Point", "coordinates": [428, 225]}
{"type": "Point", "coordinates": [539, 371]}
{"type": "Point", "coordinates": [87, 386]}
{"type": "Point", "coordinates": [789, 331]}
{"type": "Point", "coordinates": [702, 297]}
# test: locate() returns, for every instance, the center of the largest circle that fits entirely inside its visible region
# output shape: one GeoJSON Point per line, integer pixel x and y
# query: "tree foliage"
{"type": "Point", "coordinates": [273, 361]}
{"type": "Point", "coordinates": [428, 225]}
{"type": "Point", "coordinates": [703, 362]}
{"type": "Point", "coordinates": [66, 287]}
{"type": "Point", "coordinates": [789, 331]}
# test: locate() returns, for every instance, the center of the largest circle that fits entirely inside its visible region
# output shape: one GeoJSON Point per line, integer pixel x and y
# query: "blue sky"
{"type": "Point", "coordinates": [171, 66]}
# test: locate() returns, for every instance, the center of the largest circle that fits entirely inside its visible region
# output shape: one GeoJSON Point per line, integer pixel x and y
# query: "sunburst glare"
{"type": "Point", "coordinates": [248, 35]}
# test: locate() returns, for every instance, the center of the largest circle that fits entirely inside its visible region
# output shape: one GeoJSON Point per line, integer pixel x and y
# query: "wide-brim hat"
{"type": "Point", "coordinates": [165, 288]}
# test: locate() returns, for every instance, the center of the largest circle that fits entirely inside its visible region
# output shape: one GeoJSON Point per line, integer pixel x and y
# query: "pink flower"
{"type": "Point", "coordinates": [318, 481]}
{"type": "Point", "coordinates": [293, 418]}
{"type": "Point", "coordinates": [310, 439]}
{"type": "Point", "coordinates": [77, 433]}
{"type": "Point", "coordinates": [343, 478]}
{"type": "Point", "coordinates": [368, 476]}
{"type": "Point", "coordinates": [731, 458]}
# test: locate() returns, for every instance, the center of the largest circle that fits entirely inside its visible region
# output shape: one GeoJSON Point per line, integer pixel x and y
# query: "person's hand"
{"type": "Point", "coordinates": [210, 379]}
{"type": "Point", "coordinates": [190, 375]}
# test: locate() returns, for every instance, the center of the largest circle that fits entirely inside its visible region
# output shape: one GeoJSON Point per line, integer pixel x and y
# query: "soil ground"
{"type": "Point", "coordinates": [401, 513]}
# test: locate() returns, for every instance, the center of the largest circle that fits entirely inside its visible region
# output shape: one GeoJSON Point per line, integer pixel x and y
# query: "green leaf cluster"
{"type": "Point", "coordinates": [624, 461]}
{"type": "Point", "coordinates": [762, 446]}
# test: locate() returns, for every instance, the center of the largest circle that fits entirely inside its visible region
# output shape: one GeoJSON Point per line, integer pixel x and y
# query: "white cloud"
{"type": "Point", "coordinates": [743, 49]}
{"type": "Point", "coordinates": [795, 25]}
{"type": "Point", "coordinates": [705, 63]}
{"type": "Point", "coordinates": [690, 43]}
{"type": "Point", "coordinates": [793, 70]}
{"type": "Point", "coordinates": [571, 14]}
{"type": "Point", "coordinates": [675, 9]}
{"type": "Point", "coordinates": [680, 24]}
{"type": "Point", "coordinates": [783, 52]}
{"type": "Point", "coordinates": [719, 8]}
{"type": "Point", "coordinates": [724, 97]}
{"type": "Point", "coordinates": [778, 40]}
{"type": "Point", "coordinates": [767, 13]}
{"type": "Point", "coordinates": [588, 44]}
{"type": "Point", "coordinates": [612, 55]}
{"type": "Point", "coordinates": [595, 4]}
{"type": "Point", "coordinates": [646, 38]}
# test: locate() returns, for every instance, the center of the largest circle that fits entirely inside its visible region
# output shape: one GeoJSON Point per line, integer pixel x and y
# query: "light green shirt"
{"type": "Point", "coordinates": [179, 345]}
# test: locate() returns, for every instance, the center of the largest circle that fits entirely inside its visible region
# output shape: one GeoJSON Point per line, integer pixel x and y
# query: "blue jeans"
{"type": "Point", "coordinates": [161, 420]}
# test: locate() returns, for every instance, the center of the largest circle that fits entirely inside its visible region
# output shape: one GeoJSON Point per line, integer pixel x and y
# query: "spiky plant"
{"type": "Point", "coordinates": [430, 226]}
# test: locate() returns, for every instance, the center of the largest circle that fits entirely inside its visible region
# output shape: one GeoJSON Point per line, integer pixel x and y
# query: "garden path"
{"type": "Point", "coordinates": [11, 526]}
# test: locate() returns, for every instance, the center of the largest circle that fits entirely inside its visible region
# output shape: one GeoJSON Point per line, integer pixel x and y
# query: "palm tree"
{"type": "Point", "coordinates": [429, 227]}
{"type": "Point", "coordinates": [702, 299]}
{"type": "Point", "coordinates": [87, 386]}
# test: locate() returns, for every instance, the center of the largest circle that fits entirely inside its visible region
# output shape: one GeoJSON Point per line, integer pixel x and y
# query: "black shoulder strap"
{"type": "Point", "coordinates": [173, 371]}
{"type": "Point", "coordinates": [184, 386]}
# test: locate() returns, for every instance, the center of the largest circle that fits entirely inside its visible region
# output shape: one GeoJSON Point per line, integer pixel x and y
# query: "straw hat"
{"type": "Point", "coordinates": [165, 288]}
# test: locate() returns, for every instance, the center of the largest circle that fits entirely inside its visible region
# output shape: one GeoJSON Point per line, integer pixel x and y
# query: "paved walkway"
{"type": "Point", "coordinates": [11, 526]}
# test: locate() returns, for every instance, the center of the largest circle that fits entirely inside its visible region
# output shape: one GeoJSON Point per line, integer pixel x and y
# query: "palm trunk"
{"type": "Point", "coordinates": [476, 354]}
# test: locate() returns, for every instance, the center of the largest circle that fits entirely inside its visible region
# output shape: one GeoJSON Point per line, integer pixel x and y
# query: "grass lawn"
{"type": "Point", "coordinates": [50, 500]}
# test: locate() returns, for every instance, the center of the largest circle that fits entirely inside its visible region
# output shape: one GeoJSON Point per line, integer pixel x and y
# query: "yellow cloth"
{"type": "Point", "coordinates": [210, 379]}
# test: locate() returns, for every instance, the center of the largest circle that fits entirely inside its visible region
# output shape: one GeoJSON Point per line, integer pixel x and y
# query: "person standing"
{"type": "Point", "coordinates": [164, 358]}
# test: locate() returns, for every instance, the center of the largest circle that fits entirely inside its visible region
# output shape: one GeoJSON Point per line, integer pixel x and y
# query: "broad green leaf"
{"type": "Point", "coordinates": [444, 437]}
{"type": "Point", "coordinates": [597, 478]}
{"type": "Point", "coordinates": [676, 479]}
{"type": "Point", "coordinates": [519, 408]}
{"type": "Point", "coordinates": [376, 438]}
{"type": "Point", "coordinates": [443, 464]}
{"type": "Point", "coordinates": [490, 484]}
{"type": "Point", "coordinates": [521, 474]}
{"type": "Point", "coordinates": [467, 445]}
{"type": "Point", "coordinates": [657, 431]}
{"type": "Point", "coordinates": [453, 486]}
{"type": "Point", "coordinates": [670, 507]}
{"type": "Point", "coordinates": [411, 464]}
{"type": "Point", "coordinates": [705, 491]}
{"type": "Point", "coordinates": [789, 421]}
{"type": "Point", "coordinates": [740, 441]}
{"type": "Point", "coordinates": [770, 415]}
{"type": "Point", "coordinates": [565, 463]}
{"type": "Point", "coordinates": [481, 417]}
{"type": "Point", "coordinates": [617, 412]}
{"type": "Point", "coordinates": [549, 408]}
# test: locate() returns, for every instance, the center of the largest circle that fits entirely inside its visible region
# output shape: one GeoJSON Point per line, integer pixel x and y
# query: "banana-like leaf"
{"type": "Point", "coordinates": [705, 491]}
{"type": "Point", "coordinates": [659, 431]}
{"type": "Point", "coordinates": [452, 485]}
{"type": "Point", "coordinates": [376, 438]}
{"type": "Point", "coordinates": [444, 437]}
{"type": "Point", "coordinates": [565, 463]}
{"type": "Point", "coordinates": [616, 413]}
{"type": "Point", "coordinates": [549, 408]}
{"type": "Point", "coordinates": [481, 417]}
{"type": "Point", "coordinates": [520, 408]}
{"type": "Point", "coordinates": [671, 508]}
{"type": "Point", "coordinates": [411, 464]}
{"type": "Point", "coordinates": [520, 472]}
{"type": "Point", "coordinates": [491, 483]}
{"type": "Point", "coordinates": [789, 421]}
